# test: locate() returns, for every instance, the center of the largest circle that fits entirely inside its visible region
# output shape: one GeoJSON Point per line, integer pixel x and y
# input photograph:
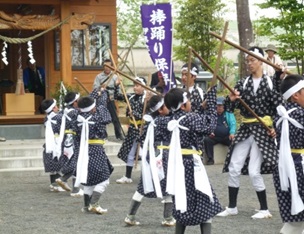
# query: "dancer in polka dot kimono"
{"type": "Point", "coordinates": [154, 165]}
{"type": "Point", "coordinates": [127, 152]}
{"type": "Point", "coordinates": [289, 172]}
{"type": "Point", "coordinates": [52, 152]}
{"type": "Point", "coordinates": [93, 166]}
{"type": "Point", "coordinates": [195, 202]}
{"type": "Point", "coordinates": [69, 123]}
{"type": "Point", "coordinates": [253, 150]}
{"type": "Point", "coordinates": [197, 95]}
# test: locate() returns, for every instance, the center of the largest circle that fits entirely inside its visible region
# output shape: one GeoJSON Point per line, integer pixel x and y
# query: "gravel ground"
{"type": "Point", "coordinates": [27, 206]}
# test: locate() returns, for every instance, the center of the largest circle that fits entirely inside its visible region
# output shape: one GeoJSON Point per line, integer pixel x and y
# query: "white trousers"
{"type": "Point", "coordinates": [131, 155]}
{"type": "Point", "coordinates": [100, 188]}
{"type": "Point", "coordinates": [238, 157]}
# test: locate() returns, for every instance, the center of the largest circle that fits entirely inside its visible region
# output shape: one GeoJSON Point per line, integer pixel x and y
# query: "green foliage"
{"type": "Point", "coordinates": [196, 19]}
{"type": "Point", "coordinates": [56, 94]}
{"type": "Point", "coordinates": [287, 29]}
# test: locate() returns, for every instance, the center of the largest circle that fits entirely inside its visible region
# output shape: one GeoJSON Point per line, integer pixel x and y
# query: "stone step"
{"type": "Point", "coordinates": [24, 157]}
{"type": "Point", "coordinates": [36, 161]}
{"type": "Point", "coordinates": [31, 148]}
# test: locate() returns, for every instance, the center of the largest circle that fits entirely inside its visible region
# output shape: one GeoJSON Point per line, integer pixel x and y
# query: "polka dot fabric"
{"type": "Point", "coordinates": [199, 207]}
{"type": "Point", "coordinates": [137, 104]}
{"type": "Point", "coordinates": [263, 103]}
{"type": "Point", "coordinates": [99, 168]}
{"type": "Point", "coordinates": [50, 164]}
{"type": "Point", "coordinates": [296, 136]}
{"type": "Point", "coordinates": [161, 135]}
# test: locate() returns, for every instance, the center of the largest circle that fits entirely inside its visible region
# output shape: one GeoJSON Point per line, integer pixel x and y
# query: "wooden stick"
{"type": "Point", "coordinates": [249, 52]}
{"type": "Point", "coordinates": [132, 79]}
{"type": "Point", "coordinates": [124, 92]}
{"type": "Point", "coordinates": [219, 56]}
{"type": "Point", "coordinates": [142, 125]}
{"type": "Point", "coordinates": [189, 68]}
{"type": "Point", "coordinates": [81, 85]}
{"type": "Point", "coordinates": [231, 90]}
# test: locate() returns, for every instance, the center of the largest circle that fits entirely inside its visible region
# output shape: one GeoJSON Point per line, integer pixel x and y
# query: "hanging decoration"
{"type": "Point", "coordinates": [4, 58]}
{"type": "Point", "coordinates": [30, 50]}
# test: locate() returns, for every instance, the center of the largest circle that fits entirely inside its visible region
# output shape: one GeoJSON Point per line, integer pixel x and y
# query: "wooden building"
{"type": "Point", "coordinates": [76, 36]}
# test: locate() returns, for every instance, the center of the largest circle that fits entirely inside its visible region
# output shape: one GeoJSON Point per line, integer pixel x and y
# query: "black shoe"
{"type": "Point", "coordinates": [210, 162]}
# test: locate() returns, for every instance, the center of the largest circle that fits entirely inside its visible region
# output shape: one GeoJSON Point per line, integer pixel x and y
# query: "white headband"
{"type": "Point", "coordinates": [193, 71]}
{"type": "Point", "coordinates": [141, 80]}
{"type": "Point", "coordinates": [157, 106]}
{"type": "Point", "coordinates": [89, 108]}
{"type": "Point", "coordinates": [293, 89]}
{"type": "Point", "coordinates": [76, 97]}
{"type": "Point", "coordinates": [256, 52]}
{"type": "Point", "coordinates": [48, 110]}
{"type": "Point", "coordinates": [185, 99]}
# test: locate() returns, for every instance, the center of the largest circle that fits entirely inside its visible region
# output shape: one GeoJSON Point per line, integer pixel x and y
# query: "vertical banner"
{"type": "Point", "coordinates": [157, 26]}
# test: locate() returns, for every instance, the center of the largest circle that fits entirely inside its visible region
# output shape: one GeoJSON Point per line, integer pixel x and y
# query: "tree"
{"type": "Point", "coordinates": [245, 32]}
{"type": "Point", "coordinates": [287, 29]}
{"type": "Point", "coordinates": [196, 19]}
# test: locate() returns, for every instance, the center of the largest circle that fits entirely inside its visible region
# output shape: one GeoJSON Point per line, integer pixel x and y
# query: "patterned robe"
{"type": "Point", "coordinates": [137, 105]}
{"type": "Point", "coordinates": [263, 103]}
{"type": "Point", "coordinates": [199, 207]}
{"type": "Point", "coordinates": [161, 137]}
{"type": "Point", "coordinates": [52, 164]}
{"type": "Point", "coordinates": [196, 98]}
{"type": "Point", "coordinates": [69, 165]}
{"type": "Point", "coordinates": [99, 167]}
{"type": "Point", "coordinates": [296, 136]}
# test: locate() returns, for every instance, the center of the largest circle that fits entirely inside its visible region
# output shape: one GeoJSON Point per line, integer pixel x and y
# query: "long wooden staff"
{"type": "Point", "coordinates": [189, 69]}
{"type": "Point", "coordinates": [142, 125]}
{"type": "Point", "coordinates": [249, 52]}
{"type": "Point", "coordinates": [132, 79]}
{"type": "Point", "coordinates": [231, 90]}
{"type": "Point", "coordinates": [124, 92]}
{"type": "Point", "coordinates": [219, 56]}
{"type": "Point", "coordinates": [112, 74]}
{"type": "Point", "coordinates": [81, 85]}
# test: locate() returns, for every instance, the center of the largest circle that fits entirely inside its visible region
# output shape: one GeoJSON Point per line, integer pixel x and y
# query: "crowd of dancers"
{"type": "Point", "coordinates": [171, 143]}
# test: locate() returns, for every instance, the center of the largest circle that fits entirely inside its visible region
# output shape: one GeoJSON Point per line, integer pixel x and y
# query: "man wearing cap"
{"type": "Point", "coordinates": [272, 57]}
{"type": "Point", "coordinates": [104, 79]}
{"type": "Point", "coordinates": [223, 133]}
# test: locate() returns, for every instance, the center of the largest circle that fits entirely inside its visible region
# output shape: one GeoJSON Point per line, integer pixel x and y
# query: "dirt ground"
{"type": "Point", "coordinates": [28, 207]}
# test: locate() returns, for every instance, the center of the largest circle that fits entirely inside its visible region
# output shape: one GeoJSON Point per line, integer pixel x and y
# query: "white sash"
{"type": "Point", "coordinates": [201, 179]}
{"type": "Point", "coordinates": [287, 170]}
{"type": "Point", "coordinates": [58, 141]}
{"type": "Point", "coordinates": [176, 170]}
{"type": "Point", "coordinates": [49, 134]}
{"type": "Point", "coordinates": [149, 171]}
{"type": "Point", "coordinates": [83, 157]}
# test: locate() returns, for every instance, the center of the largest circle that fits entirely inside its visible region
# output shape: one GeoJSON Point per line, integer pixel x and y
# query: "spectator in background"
{"type": "Point", "coordinates": [104, 79]}
{"type": "Point", "coordinates": [224, 132]}
{"type": "Point", "coordinates": [272, 57]}
{"type": "Point", "coordinates": [34, 82]}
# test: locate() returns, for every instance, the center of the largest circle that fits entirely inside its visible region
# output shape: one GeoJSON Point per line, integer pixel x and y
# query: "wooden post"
{"type": "Point", "coordinates": [219, 56]}
{"type": "Point", "coordinates": [65, 45]}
